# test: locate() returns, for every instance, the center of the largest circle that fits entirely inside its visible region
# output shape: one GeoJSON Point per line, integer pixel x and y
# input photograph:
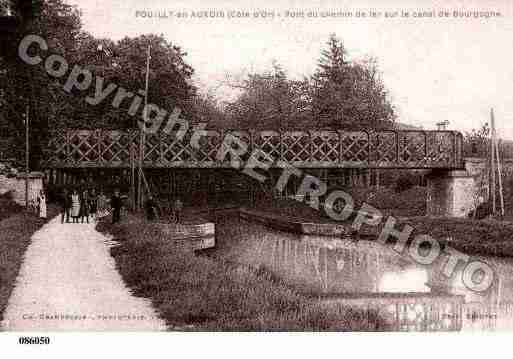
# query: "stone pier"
{"type": "Point", "coordinates": [450, 193]}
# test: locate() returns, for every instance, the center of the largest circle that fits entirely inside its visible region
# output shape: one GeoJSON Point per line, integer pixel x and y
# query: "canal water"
{"type": "Point", "coordinates": [349, 271]}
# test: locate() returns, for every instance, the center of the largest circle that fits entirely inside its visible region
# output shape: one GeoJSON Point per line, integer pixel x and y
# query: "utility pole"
{"type": "Point", "coordinates": [27, 155]}
{"type": "Point", "coordinates": [497, 158]}
{"type": "Point", "coordinates": [142, 143]}
{"type": "Point", "coordinates": [492, 160]}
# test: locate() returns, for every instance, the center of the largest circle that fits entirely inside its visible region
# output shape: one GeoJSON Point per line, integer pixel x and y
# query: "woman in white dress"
{"type": "Point", "coordinates": [75, 206]}
{"type": "Point", "coordinates": [41, 202]}
{"type": "Point", "coordinates": [102, 210]}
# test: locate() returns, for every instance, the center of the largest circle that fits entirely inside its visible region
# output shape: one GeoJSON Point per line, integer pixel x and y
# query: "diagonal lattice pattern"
{"type": "Point", "coordinates": [295, 147]}
{"type": "Point", "coordinates": [268, 142]}
{"type": "Point", "coordinates": [354, 147]}
{"type": "Point", "coordinates": [309, 149]}
{"type": "Point", "coordinates": [325, 146]}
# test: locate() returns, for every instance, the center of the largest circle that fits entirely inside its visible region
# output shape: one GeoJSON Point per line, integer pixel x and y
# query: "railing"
{"type": "Point", "coordinates": [305, 149]}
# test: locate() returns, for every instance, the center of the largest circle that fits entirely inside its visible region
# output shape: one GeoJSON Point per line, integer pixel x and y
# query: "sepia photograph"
{"type": "Point", "coordinates": [273, 168]}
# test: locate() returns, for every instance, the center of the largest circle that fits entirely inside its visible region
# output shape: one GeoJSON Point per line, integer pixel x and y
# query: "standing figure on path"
{"type": "Point", "coordinates": [93, 203]}
{"type": "Point", "coordinates": [116, 205]}
{"type": "Point", "coordinates": [151, 209]}
{"type": "Point", "coordinates": [101, 203]}
{"type": "Point", "coordinates": [75, 205]}
{"type": "Point", "coordinates": [69, 203]}
{"type": "Point", "coordinates": [65, 202]}
{"type": "Point", "coordinates": [178, 206]}
{"type": "Point", "coordinates": [41, 203]}
{"type": "Point", "coordinates": [84, 206]}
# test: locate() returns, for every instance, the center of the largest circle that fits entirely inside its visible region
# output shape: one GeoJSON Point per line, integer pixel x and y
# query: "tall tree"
{"type": "Point", "coordinates": [207, 109]}
{"type": "Point", "coordinates": [22, 84]}
{"type": "Point", "coordinates": [348, 94]}
{"type": "Point", "coordinates": [268, 101]}
{"type": "Point", "coordinates": [170, 76]}
{"type": "Point", "coordinates": [122, 63]}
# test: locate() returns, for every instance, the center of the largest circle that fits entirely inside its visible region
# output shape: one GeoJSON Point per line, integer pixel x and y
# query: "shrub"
{"type": "Point", "coordinates": [404, 183]}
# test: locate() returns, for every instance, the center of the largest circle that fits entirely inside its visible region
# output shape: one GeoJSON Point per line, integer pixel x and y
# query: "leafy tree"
{"type": "Point", "coordinates": [24, 85]}
{"type": "Point", "coordinates": [340, 95]}
{"type": "Point", "coordinates": [477, 142]}
{"type": "Point", "coordinates": [348, 94]}
{"type": "Point", "coordinates": [122, 63]}
{"type": "Point", "coordinates": [207, 109]}
{"type": "Point", "coordinates": [170, 83]}
{"type": "Point", "coordinates": [269, 101]}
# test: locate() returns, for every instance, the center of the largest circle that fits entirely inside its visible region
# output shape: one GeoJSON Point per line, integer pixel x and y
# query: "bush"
{"type": "Point", "coordinates": [7, 205]}
{"type": "Point", "coordinates": [404, 183]}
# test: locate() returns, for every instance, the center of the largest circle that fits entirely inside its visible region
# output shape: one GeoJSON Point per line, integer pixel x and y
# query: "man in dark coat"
{"type": "Point", "coordinates": [65, 202]}
{"type": "Point", "coordinates": [151, 209]}
{"type": "Point", "coordinates": [116, 203]}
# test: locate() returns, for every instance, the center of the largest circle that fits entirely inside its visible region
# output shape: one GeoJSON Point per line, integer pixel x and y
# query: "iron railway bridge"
{"type": "Point", "coordinates": [302, 149]}
{"type": "Point", "coordinates": [174, 166]}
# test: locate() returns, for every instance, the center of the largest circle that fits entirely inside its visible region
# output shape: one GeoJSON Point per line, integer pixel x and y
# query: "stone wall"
{"type": "Point", "coordinates": [16, 185]}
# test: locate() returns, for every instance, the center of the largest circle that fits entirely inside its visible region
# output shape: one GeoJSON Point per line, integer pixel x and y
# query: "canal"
{"type": "Point", "coordinates": [364, 273]}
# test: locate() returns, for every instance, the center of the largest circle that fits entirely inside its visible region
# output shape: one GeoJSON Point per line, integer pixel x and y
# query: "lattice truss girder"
{"type": "Point", "coordinates": [57, 149]}
{"type": "Point", "coordinates": [84, 146]}
{"type": "Point", "coordinates": [354, 147]}
{"type": "Point", "coordinates": [116, 146]}
{"type": "Point", "coordinates": [325, 146]}
{"type": "Point", "coordinates": [295, 146]}
{"type": "Point", "coordinates": [233, 145]}
{"type": "Point", "coordinates": [268, 142]}
{"type": "Point", "coordinates": [404, 149]}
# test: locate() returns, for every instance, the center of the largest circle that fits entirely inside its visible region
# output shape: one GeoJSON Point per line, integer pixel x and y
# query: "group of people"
{"type": "Point", "coordinates": [153, 211]}
{"type": "Point", "coordinates": [79, 205]}
{"type": "Point", "coordinates": [82, 205]}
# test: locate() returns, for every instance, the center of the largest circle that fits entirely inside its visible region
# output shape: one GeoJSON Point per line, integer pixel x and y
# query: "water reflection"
{"type": "Point", "coordinates": [334, 266]}
{"type": "Point", "coordinates": [409, 280]}
{"type": "Point", "coordinates": [326, 265]}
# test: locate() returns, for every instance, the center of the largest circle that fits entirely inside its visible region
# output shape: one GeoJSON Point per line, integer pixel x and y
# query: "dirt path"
{"type": "Point", "coordinates": [68, 281]}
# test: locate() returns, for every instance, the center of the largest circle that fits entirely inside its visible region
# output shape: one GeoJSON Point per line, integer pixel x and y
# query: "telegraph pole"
{"type": "Point", "coordinates": [27, 146]}
{"type": "Point", "coordinates": [492, 160]}
{"type": "Point", "coordinates": [142, 143]}
{"type": "Point", "coordinates": [498, 160]}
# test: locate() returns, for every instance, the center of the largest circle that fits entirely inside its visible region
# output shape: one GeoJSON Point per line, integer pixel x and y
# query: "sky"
{"type": "Point", "coordinates": [435, 68]}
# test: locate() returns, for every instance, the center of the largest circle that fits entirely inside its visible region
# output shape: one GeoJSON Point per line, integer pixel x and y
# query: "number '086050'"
{"type": "Point", "coordinates": [34, 340]}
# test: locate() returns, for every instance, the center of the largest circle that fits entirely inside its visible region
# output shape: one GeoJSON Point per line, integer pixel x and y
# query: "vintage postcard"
{"type": "Point", "coordinates": [291, 166]}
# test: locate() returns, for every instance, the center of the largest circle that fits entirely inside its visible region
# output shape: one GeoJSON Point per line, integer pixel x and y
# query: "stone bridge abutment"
{"type": "Point", "coordinates": [451, 193]}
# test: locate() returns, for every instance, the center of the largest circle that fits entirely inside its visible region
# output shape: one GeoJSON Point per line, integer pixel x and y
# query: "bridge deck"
{"type": "Point", "coordinates": [303, 149]}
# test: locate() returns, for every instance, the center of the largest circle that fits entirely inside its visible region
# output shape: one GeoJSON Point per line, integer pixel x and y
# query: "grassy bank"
{"type": "Point", "coordinates": [473, 237]}
{"type": "Point", "coordinates": [486, 237]}
{"type": "Point", "coordinates": [411, 202]}
{"type": "Point", "coordinates": [15, 233]}
{"type": "Point", "coordinates": [201, 293]}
